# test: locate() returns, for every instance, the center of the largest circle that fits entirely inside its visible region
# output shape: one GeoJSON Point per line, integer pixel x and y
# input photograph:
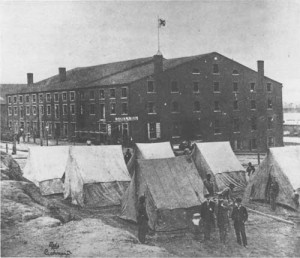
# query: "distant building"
{"type": "Point", "coordinates": [291, 125]}
{"type": "Point", "coordinates": [207, 97]}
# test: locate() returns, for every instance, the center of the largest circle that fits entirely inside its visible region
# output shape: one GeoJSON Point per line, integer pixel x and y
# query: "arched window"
{"type": "Point", "coordinates": [235, 72]}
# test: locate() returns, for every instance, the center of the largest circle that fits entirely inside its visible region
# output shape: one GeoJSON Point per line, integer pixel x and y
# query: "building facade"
{"type": "Point", "coordinates": [207, 97]}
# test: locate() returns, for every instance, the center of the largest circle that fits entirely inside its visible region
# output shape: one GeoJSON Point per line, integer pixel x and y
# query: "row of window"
{"type": "Point", "coordinates": [196, 87]}
{"type": "Point", "coordinates": [64, 96]}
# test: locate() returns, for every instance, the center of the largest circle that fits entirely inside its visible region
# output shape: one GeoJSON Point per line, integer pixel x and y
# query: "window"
{"type": "Point", "coordinates": [56, 109]}
{"type": "Point", "coordinates": [150, 87]}
{"type": "Point", "coordinates": [270, 105]}
{"type": "Point", "coordinates": [20, 99]}
{"type": "Point", "coordinates": [197, 106]}
{"type": "Point", "coordinates": [41, 97]}
{"type": "Point", "coordinates": [217, 106]}
{"type": "Point", "coordinates": [82, 95]}
{"type": "Point", "coordinates": [217, 128]}
{"type": "Point", "coordinates": [72, 109]}
{"type": "Point", "coordinates": [15, 99]}
{"type": "Point", "coordinates": [49, 128]}
{"type": "Point", "coordinates": [196, 71]}
{"type": "Point", "coordinates": [101, 94]}
{"type": "Point", "coordinates": [174, 87]}
{"type": "Point", "coordinates": [253, 104]}
{"type": "Point", "coordinates": [235, 87]}
{"type": "Point", "coordinates": [253, 123]}
{"type": "Point", "coordinates": [175, 107]}
{"type": "Point", "coordinates": [270, 122]}
{"type": "Point", "coordinates": [252, 86]}
{"type": "Point", "coordinates": [176, 130]}
{"type": "Point", "coordinates": [216, 87]}
{"type": "Point", "coordinates": [235, 105]}
{"type": "Point", "coordinates": [72, 95]}
{"type": "Point", "coordinates": [27, 110]}
{"type": "Point", "coordinates": [269, 87]}
{"type": "Point", "coordinates": [215, 68]}
{"type": "Point", "coordinates": [15, 111]}
{"type": "Point", "coordinates": [92, 94]}
{"type": "Point", "coordinates": [10, 124]}
{"type": "Point", "coordinates": [196, 87]}
{"type": "Point", "coordinates": [9, 111]}
{"type": "Point", "coordinates": [34, 110]}
{"type": "Point", "coordinates": [271, 142]}
{"type": "Point", "coordinates": [27, 98]}
{"type": "Point", "coordinates": [48, 97]}
{"type": "Point", "coordinates": [253, 144]}
{"type": "Point", "coordinates": [48, 110]}
{"type": "Point", "coordinates": [151, 108]}
{"type": "Point", "coordinates": [64, 96]}
{"type": "Point", "coordinates": [56, 97]}
{"type": "Point", "coordinates": [42, 110]}
{"type": "Point", "coordinates": [153, 131]}
{"type": "Point", "coordinates": [102, 111]}
{"type": "Point", "coordinates": [9, 99]}
{"type": "Point", "coordinates": [236, 125]}
{"type": "Point", "coordinates": [65, 129]}
{"type": "Point", "coordinates": [21, 111]}
{"type": "Point", "coordinates": [235, 72]}
{"type": "Point", "coordinates": [92, 109]}
{"type": "Point", "coordinates": [124, 109]}
{"type": "Point", "coordinates": [112, 93]}
{"type": "Point", "coordinates": [65, 109]}
{"type": "Point", "coordinates": [124, 92]}
{"type": "Point", "coordinates": [112, 108]}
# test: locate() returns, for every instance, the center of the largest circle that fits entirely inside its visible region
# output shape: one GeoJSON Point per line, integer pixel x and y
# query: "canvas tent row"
{"type": "Point", "coordinates": [283, 163]}
{"type": "Point", "coordinates": [218, 159]}
{"type": "Point", "coordinates": [173, 190]}
{"type": "Point", "coordinates": [88, 175]}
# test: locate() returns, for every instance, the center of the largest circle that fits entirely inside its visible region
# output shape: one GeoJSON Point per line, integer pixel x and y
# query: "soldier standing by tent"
{"type": "Point", "coordinates": [223, 219]}
{"type": "Point", "coordinates": [142, 220]}
{"type": "Point", "coordinates": [227, 192]}
{"type": "Point", "coordinates": [239, 216]}
{"type": "Point", "coordinates": [207, 215]}
{"type": "Point", "coordinates": [209, 184]}
{"type": "Point", "coordinates": [250, 169]}
{"type": "Point", "coordinates": [274, 190]}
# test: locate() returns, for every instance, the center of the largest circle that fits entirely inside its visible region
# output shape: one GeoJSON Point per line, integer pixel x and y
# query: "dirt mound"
{"type": "Point", "coordinates": [10, 169]}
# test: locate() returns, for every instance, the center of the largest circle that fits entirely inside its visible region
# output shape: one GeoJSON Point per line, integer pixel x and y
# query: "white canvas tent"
{"type": "Point", "coordinates": [218, 159]}
{"type": "Point", "coordinates": [158, 150]}
{"type": "Point", "coordinates": [283, 163]}
{"type": "Point", "coordinates": [96, 175]}
{"type": "Point", "coordinates": [46, 166]}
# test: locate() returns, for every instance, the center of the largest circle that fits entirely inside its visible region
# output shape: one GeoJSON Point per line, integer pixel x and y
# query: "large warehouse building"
{"type": "Point", "coordinates": [207, 97]}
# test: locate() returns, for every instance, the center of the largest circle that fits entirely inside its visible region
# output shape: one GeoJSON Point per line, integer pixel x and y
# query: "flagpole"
{"type": "Point", "coordinates": [158, 34]}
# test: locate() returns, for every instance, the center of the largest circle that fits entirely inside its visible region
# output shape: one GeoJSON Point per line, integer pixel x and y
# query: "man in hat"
{"type": "Point", "coordinates": [239, 216]}
{"type": "Point", "coordinates": [250, 169]}
{"type": "Point", "coordinates": [196, 224]}
{"type": "Point", "coordinates": [209, 184]}
{"type": "Point", "coordinates": [142, 220]}
{"type": "Point", "coordinates": [223, 219]}
{"type": "Point", "coordinates": [207, 210]}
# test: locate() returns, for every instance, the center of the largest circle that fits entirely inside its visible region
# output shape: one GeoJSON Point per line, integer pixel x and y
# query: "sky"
{"type": "Point", "coordinates": [40, 36]}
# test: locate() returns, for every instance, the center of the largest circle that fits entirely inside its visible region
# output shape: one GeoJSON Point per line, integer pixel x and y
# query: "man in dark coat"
{"type": "Point", "coordinates": [209, 184]}
{"type": "Point", "coordinates": [223, 219]}
{"type": "Point", "coordinates": [142, 220]}
{"type": "Point", "coordinates": [250, 169]}
{"type": "Point", "coordinates": [239, 216]}
{"type": "Point", "coordinates": [207, 210]}
{"type": "Point", "coordinates": [274, 191]}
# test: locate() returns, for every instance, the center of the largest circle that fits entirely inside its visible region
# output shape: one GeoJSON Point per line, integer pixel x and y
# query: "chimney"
{"type": "Point", "coordinates": [62, 74]}
{"type": "Point", "coordinates": [261, 74]}
{"type": "Point", "coordinates": [158, 63]}
{"type": "Point", "coordinates": [29, 78]}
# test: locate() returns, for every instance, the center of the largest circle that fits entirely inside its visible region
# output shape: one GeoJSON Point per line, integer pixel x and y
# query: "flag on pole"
{"type": "Point", "coordinates": [161, 22]}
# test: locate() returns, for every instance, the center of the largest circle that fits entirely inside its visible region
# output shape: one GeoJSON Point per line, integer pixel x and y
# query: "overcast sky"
{"type": "Point", "coordinates": [40, 36]}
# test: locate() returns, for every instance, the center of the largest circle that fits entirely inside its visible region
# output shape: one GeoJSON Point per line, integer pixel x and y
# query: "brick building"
{"type": "Point", "coordinates": [206, 97]}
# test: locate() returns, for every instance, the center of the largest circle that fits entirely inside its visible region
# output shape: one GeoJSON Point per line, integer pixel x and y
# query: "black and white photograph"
{"type": "Point", "coordinates": [150, 128]}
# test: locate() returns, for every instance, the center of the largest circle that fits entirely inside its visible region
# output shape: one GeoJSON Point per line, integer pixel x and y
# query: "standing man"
{"type": "Point", "coordinates": [209, 184]}
{"type": "Point", "coordinates": [142, 220]}
{"type": "Point", "coordinates": [223, 219]}
{"type": "Point", "coordinates": [274, 190]}
{"type": "Point", "coordinates": [250, 169]}
{"type": "Point", "coordinates": [127, 156]}
{"type": "Point", "coordinates": [207, 210]}
{"type": "Point", "coordinates": [239, 216]}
